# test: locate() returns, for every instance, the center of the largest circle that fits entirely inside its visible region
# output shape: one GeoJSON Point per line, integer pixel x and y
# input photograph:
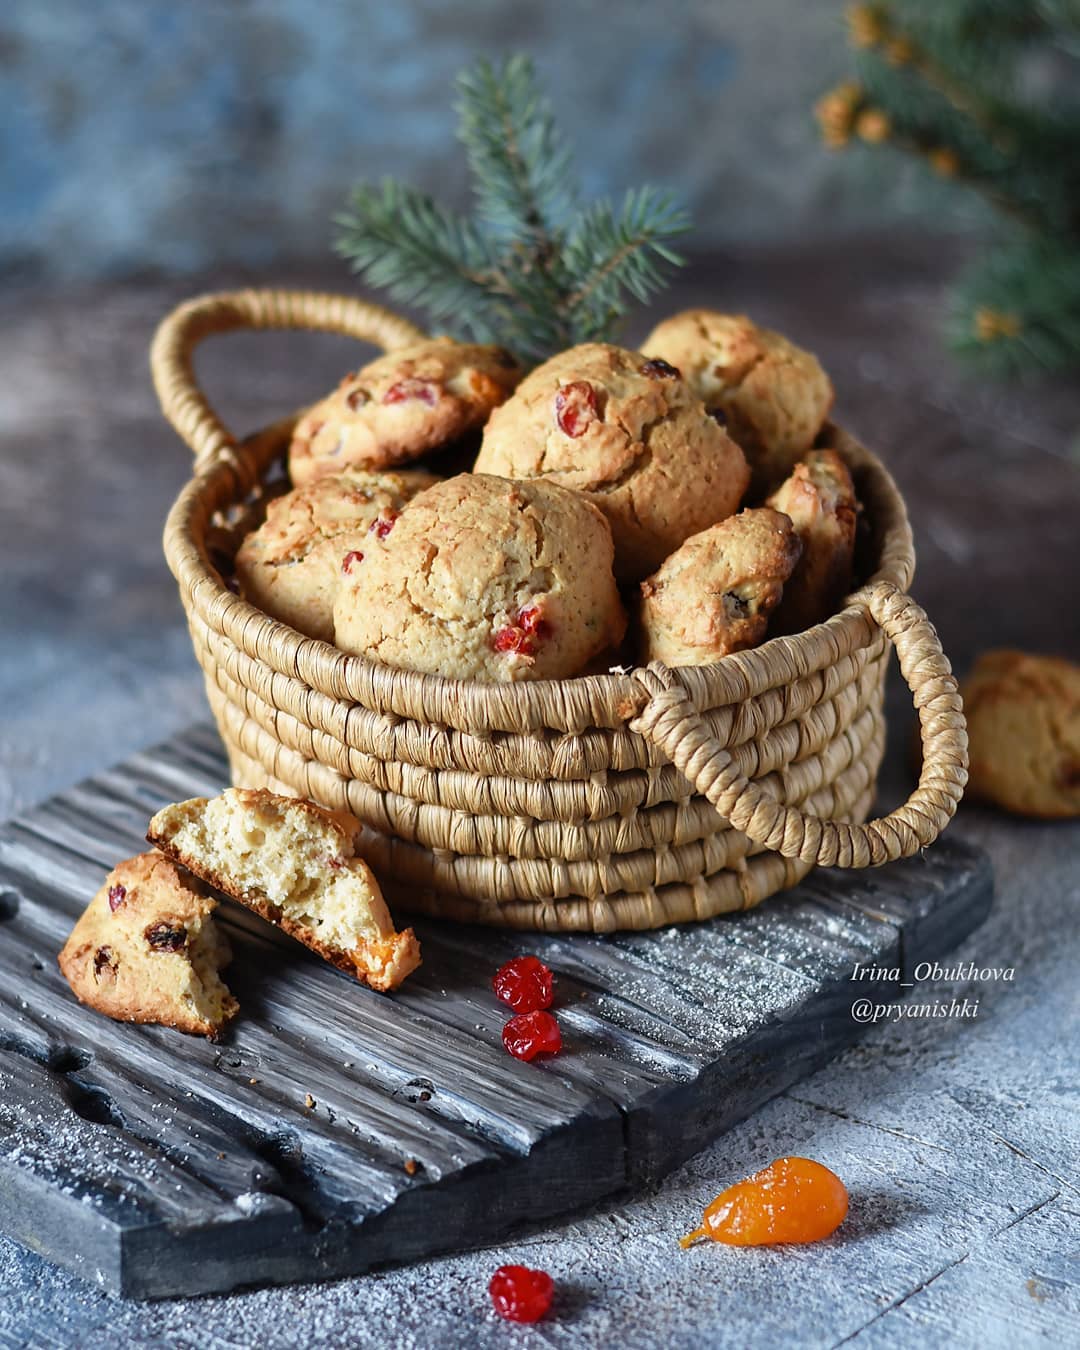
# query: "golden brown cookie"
{"type": "Point", "coordinates": [1023, 720]}
{"type": "Point", "coordinates": [295, 864]}
{"type": "Point", "coordinates": [146, 949]}
{"type": "Point", "coordinates": [715, 594]}
{"type": "Point", "coordinates": [820, 499]}
{"type": "Point", "coordinates": [630, 434]}
{"type": "Point", "coordinates": [292, 564]}
{"type": "Point", "coordinates": [483, 578]}
{"type": "Point", "coordinates": [401, 406]}
{"type": "Point", "coordinates": [772, 396]}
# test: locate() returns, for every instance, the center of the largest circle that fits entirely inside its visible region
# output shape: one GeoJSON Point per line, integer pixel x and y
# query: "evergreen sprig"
{"type": "Point", "coordinates": [950, 83]}
{"type": "Point", "coordinates": [533, 270]}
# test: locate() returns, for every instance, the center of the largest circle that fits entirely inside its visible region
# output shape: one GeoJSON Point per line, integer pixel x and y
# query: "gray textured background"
{"type": "Point", "coordinates": [146, 134]}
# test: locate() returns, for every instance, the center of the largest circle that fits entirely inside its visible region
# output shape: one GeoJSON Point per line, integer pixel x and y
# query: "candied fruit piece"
{"type": "Point", "coordinates": [520, 1294]}
{"type": "Point", "coordinates": [791, 1200]}
{"type": "Point", "coordinates": [350, 559]}
{"type": "Point", "coordinates": [531, 1034]}
{"type": "Point", "coordinates": [575, 408]}
{"type": "Point", "coordinates": [525, 983]}
{"type": "Point", "coordinates": [382, 525]}
{"type": "Point", "coordinates": [424, 391]}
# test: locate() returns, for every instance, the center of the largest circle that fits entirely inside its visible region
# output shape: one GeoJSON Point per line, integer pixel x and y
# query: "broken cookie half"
{"type": "Point", "coordinates": [295, 864]}
{"type": "Point", "coordinates": [146, 949]}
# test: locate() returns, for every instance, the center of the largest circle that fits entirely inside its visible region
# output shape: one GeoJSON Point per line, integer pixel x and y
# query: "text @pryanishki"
{"type": "Point", "coordinates": [869, 1010]}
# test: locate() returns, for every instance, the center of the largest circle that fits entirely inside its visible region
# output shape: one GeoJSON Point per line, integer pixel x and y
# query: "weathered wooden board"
{"type": "Point", "coordinates": [157, 1164]}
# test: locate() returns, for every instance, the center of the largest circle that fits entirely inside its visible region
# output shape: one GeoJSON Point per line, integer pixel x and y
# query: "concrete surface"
{"type": "Point", "coordinates": [958, 1138]}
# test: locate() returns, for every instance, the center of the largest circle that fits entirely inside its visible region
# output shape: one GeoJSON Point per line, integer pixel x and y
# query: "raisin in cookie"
{"type": "Point", "coordinates": [820, 499]}
{"type": "Point", "coordinates": [630, 434]}
{"type": "Point", "coordinates": [146, 949]}
{"type": "Point", "coordinates": [772, 396]}
{"type": "Point", "coordinates": [401, 406]}
{"type": "Point", "coordinates": [295, 864]}
{"type": "Point", "coordinates": [483, 578]}
{"type": "Point", "coordinates": [1023, 721]}
{"type": "Point", "coordinates": [292, 564]}
{"type": "Point", "coordinates": [715, 595]}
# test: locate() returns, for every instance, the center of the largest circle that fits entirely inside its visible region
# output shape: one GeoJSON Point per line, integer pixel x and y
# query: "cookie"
{"type": "Point", "coordinates": [632, 436]}
{"type": "Point", "coordinates": [295, 864]}
{"type": "Point", "coordinates": [820, 499]}
{"type": "Point", "coordinates": [772, 396]}
{"type": "Point", "coordinates": [715, 595]}
{"type": "Point", "coordinates": [1023, 721]}
{"type": "Point", "coordinates": [482, 578]}
{"type": "Point", "coordinates": [146, 949]}
{"type": "Point", "coordinates": [401, 406]}
{"type": "Point", "coordinates": [292, 564]}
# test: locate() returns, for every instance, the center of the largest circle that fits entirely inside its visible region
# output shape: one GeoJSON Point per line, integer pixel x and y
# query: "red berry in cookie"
{"type": "Point", "coordinates": [166, 937]}
{"type": "Point", "coordinates": [382, 526]}
{"type": "Point", "coordinates": [411, 388]}
{"type": "Point", "coordinates": [520, 1294]}
{"type": "Point", "coordinates": [575, 407]}
{"type": "Point", "coordinates": [350, 559]}
{"type": "Point", "coordinates": [117, 896]}
{"type": "Point", "coordinates": [525, 983]}
{"type": "Point", "coordinates": [531, 1034]}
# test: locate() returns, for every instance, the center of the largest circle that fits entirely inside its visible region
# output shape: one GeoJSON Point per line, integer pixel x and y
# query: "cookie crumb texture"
{"type": "Point", "coordinates": [295, 864]}
{"type": "Point", "coordinates": [715, 595]}
{"type": "Point", "coordinates": [401, 406]}
{"type": "Point", "coordinates": [1023, 719]}
{"type": "Point", "coordinates": [146, 949]}
{"type": "Point", "coordinates": [292, 565]}
{"type": "Point", "coordinates": [486, 579]}
{"type": "Point", "coordinates": [630, 434]}
{"type": "Point", "coordinates": [773, 396]}
{"type": "Point", "coordinates": [819, 498]}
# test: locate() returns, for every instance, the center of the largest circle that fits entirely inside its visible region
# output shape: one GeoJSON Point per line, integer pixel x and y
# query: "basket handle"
{"type": "Point", "coordinates": [669, 722]}
{"type": "Point", "coordinates": [180, 332]}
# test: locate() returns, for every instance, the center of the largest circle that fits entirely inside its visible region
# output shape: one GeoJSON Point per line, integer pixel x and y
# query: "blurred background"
{"type": "Point", "coordinates": [150, 150]}
{"type": "Point", "coordinates": [147, 136]}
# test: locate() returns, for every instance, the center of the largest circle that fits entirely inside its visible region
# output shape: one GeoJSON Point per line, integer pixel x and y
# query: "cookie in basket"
{"type": "Point", "coordinates": [146, 949]}
{"type": "Point", "coordinates": [1023, 722]}
{"type": "Point", "coordinates": [820, 499]}
{"type": "Point", "coordinates": [292, 564]}
{"type": "Point", "coordinates": [405, 404]}
{"type": "Point", "coordinates": [715, 594]}
{"type": "Point", "coordinates": [295, 864]}
{"type": "Point", "coordinates": [632, 435]}
{"type": "Point", "coordinates": [773, 396]}
{"type": "Point", "coordinates": [482, 578]}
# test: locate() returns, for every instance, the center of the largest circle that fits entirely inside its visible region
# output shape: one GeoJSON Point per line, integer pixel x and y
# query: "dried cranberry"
{"type": "Point", "coordinates": [353, 556]}
{"type": "Point", "coordinates": [412, 388]}
{"type": "Point", "coordinates": [524, 983]}
{"type": "Point", "coordinates": [524, 634]}
{"type": "Point", "coordinates": [117, 896]}
{"type": "Point", "coordinates": [103, 961]}
{"type": "Point", "coordinates": [164, 937]}
{"type": "Point", "coordinates": [520, 1294]}
{"type": "Point", "coordinates": [356, 398]}
{"type": "Point", "coordinates": [575, 407]}
{"type": "Point", "coordinates": [531, 620]}
{"type": "Point", "coordinates": [659, 369]}
{"type": "Point", "coordinates": [531, 1034]}
{"type": "Point", "coordinates": [512, 640]}
{"type": "Point", "coordinates": [382, 525]}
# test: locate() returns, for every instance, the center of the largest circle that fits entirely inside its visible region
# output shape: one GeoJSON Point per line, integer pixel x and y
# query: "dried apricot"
{"type": "Point", "coordinates": [791, 1200]}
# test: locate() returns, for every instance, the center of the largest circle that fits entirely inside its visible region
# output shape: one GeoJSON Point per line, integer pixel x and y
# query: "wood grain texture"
{"type": "Point", "coordinates": [157, 1164]}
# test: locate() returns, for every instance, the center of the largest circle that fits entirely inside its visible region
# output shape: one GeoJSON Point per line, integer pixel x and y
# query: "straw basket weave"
{"type": "Point", "coordinates": [612, 801]}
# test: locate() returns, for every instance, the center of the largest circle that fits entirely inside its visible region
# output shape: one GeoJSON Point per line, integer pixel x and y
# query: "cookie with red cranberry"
{"type": "Point", "coordinates": [819, 497]}
{"type": "Point", "coordinates": [772, 396]}
{"type": "Point", "coordinates": [292, 564]}
{"type": "Point", "coordinates": [482, 578]}
{"type": "Point", "coordinates": [630, 434]}
{"type": "Point", "coordinates": [146, 949]}
{"type": "Point", "coordinates": [715, 594]}
{"type": "Point", "coordinates": [403, 405]}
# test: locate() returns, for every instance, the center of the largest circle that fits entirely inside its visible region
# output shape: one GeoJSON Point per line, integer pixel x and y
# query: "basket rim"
{"type": "Point", "coordinates": [569, 705]}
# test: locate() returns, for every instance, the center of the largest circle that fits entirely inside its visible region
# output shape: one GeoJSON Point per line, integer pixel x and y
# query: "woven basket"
{"type": "Point", "coordinates": [610, 801]}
